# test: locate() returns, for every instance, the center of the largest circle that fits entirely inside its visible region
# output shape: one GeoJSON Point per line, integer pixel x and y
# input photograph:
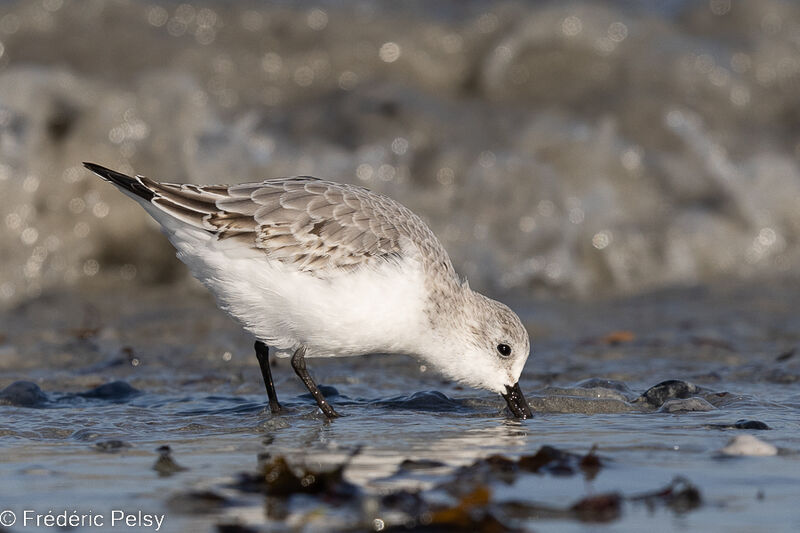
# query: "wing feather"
{"type": "Point", "coordinates": [318, 226]}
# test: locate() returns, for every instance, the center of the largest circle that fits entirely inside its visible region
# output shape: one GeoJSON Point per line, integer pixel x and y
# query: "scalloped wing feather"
{"type": "Point", "coordinates": [317, 226]}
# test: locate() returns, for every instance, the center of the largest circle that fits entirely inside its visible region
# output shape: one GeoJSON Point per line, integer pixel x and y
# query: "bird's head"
{"type": "Point", "coordinates": [486, 347]}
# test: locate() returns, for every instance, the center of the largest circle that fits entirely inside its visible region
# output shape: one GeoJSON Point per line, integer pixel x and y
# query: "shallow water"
{"type": "Point", "coordinates": [198, 390]}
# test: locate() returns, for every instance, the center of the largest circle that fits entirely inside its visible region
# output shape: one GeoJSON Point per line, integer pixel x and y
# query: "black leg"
{"type": "Point", "coordinates": [299, 365]}
{"type": "Point", "coordinates": [262, 353]}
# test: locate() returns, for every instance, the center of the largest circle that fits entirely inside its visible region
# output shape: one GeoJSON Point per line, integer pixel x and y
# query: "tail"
{"type": "Point", "coordinates": [190, 204]}
{"type": "Point", "coordinates": [122, 181]}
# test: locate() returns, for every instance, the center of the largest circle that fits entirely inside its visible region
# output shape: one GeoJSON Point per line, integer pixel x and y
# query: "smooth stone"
{"type": "Point", "coordinates": [584, 392]}
{"type": "Point", "coordinates": [572, 404]}
{"type": "Point", "coordinates": [749, 445]}
{"type": "Point", "coordinates": [23, 394]}
{"type": "Point", "coordinates": [595, 383]}
{"type": "Point", "coordinates": [686, 405]}
{"type": "Point", "coordinates": [116, 390]}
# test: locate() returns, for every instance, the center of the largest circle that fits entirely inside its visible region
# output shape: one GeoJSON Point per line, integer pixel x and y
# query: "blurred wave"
{"type": "Point", "coordinates": [583, 147]}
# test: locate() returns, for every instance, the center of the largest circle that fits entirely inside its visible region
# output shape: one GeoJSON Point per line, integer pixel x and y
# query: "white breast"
{"type": "Point", "coordinates": [357, 312]}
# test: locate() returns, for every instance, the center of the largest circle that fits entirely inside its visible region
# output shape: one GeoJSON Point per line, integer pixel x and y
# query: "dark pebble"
{"type": "Point", "coordinates": [750, 424]}
{"type": "Point", "coordinates": [411, 465]}
{"type": "Point", "coordinates": [671, 389]}
{"type": "Point", "coordinates": [23, 394]}
{"type": "Point", "coordinates": [111, 446]}
{"type": "Point", "coordinates": [116, 390]}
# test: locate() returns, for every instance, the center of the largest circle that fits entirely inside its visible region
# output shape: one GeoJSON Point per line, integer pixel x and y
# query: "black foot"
{"type": "Point", "coordinates": [262, 353]}
{"type": "Point", "coordinates": [299, 365]}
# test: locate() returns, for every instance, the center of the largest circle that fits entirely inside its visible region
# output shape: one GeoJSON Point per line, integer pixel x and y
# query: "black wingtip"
{"type": "Point", "coordinates": [121, 180]}
{"type": "Point", "coordinates": [107, 173]}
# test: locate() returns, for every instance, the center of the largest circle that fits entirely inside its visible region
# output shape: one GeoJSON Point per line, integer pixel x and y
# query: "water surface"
{"type": "Point", "coordinates": [193, 384]}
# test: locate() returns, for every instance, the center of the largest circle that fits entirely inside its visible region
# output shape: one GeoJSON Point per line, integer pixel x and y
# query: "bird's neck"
{"type": "Point", "coordinates": [446, 319]}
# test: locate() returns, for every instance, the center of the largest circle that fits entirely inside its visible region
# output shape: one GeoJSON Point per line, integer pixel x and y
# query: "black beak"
{"type": "Point", "coordinates": [516, 402]}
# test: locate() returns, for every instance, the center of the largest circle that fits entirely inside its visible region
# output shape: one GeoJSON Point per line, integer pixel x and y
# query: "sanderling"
{"type": "Point", "coordinates": [315, 268]}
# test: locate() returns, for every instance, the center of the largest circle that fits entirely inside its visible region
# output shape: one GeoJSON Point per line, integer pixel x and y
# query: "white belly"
{"type": "Point", "coordinates": [362, 311]}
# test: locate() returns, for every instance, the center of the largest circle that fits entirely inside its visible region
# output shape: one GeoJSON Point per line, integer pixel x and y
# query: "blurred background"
{"type": "Point", "coordinates": [577, 148]}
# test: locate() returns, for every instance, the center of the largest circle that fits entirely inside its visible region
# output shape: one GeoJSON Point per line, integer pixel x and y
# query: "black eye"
{"type": "Point", "coordinates": [504, 349]}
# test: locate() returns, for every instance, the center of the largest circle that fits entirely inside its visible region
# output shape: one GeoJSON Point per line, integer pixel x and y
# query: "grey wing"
{"type": "Point", "coordinates": [318, 226]}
